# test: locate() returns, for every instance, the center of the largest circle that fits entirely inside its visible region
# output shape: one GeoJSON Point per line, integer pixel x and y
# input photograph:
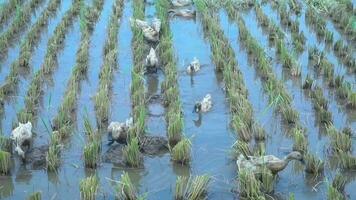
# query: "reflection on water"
{"type": "Point", "coordinates": [6, 187]}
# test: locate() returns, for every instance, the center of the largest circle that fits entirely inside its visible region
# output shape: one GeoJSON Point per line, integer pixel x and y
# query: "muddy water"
{"type": "Point", "coordinates": [13, 106]}
{"type": "Point", "coordinates": [211, 135]}
{"type": "Point", "coordinates": [14, 50]}
{"type": "Point", "coordinates": [293, 85]}
{"type": "Point", "coordinates": [36, 62]}
{"type": "Point", "coordinates": [276, 143]}
{"type": "Point", "coordinates": [264, 113]}
{"type": "Point", "coordinates": [340, 119]}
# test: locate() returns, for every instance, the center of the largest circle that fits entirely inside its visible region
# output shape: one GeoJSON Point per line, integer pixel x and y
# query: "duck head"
{"type": "Point", "coordinates": [197, 107]}
{"type": "Point", "coordinates": [295, 155]}
{"type": "Point", "coordinates": [191, 68]}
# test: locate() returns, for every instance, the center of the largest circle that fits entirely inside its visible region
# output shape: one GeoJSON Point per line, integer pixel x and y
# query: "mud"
{"type": "Point", "coordinates": [150, 146]}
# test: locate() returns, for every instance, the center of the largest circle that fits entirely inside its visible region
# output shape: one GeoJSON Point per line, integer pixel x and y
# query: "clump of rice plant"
{"type": "Point", "coordinates": [351, 101]}
{"type": "Point", "coordinates": [35, 196]}
{"type": "Point", "coordinates": [181, 151]}
{"type": "Point", "coordinates": [324, 116]}
{"type": "Point", "coordinates": [344, 90]}
{"type": "Point", "coordinates": [91, 154]}
{"type": "Point", "coordinates": [139, 116]}
{"type": "Point", "coordinates": [53, 154]}
{"type": "Point", "coordinates": [308, 83]}
{"type": "Point", "coordinates": [267, 180]}
{"type": "Point", "coordinates": [126, 189]}
{"type": "Point", "coordinates": [340, 142]}
{"type": "Point", "coordinates": [347, 161]}
{"type": "Point", "coordinates": [93, 147]}
{"type": "Point", "coordinates": [313, 164]}
{"type": "Point", "coordinates": [181, 187]}
{"type": "Point", "coordinates": [249, 186]}
{"type": "Point", "coordinates": [131, 153]}
{"type": "Point", "coordinates": [300, 142]}
{"type": "Point", "coordinates": [290, 115]}
{"type": "Point", "coordinates": [329, 37]}
{"type": "Point", "coordinates": [5, 162]}
{"type": "Point", "coordinates": [175, 127]}
{"type": "Point", "coordinates": [241, 147]}
{"type": "Point", "coordinates": [347, 131]}
{"type": "Point", "coordinates": [243, 130]}
{"type": "Point", "coordinates": [89, 188]}
{"type": "Point", "coordinates": [334, 194]}
{"type": "Point", "coordinates": [198, 187]}
{"type": "Point", "coordinates": [7, 10]}
{"type": "Point", "coordinates": [259, 149]}
{"type": "Point", "coordinates": [191, 188]}
{"type": "Point", "coordinates": [339, 182]}
{"type": "Point", "coordinates": [89, 130]}
{"type": "Point", "coordinates": [259, 133]}
{"type": "Point", "coordinates": [5, 144]}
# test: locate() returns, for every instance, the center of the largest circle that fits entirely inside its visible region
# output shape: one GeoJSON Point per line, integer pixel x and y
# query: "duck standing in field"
{"type": "Point", "coordinates": [271, 162]}
{"type": "Point", "coordinates": [118, 131]}
{"type": "Point", "coordinates": [181, 3]}
{"type": "Point", "coordinates": [184, 12]}
{"type": "Point", "coordinates": [204, 105]}
{"type": "Point", "coordinates": [22, 137]}
{"type": "Point", "coordinates": [151, 61]}
{"type": "Point", "coordinates": [150, 30]}
{"type": "Point", "coordinates": [194, 66]}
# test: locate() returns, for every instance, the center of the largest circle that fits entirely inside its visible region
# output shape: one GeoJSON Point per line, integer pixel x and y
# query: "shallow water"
{"type": "Point", "coordinates": [210, 134]}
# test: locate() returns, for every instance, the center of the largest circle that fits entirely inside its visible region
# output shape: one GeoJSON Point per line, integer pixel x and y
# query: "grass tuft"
{"type": "Point", "coordinates": [181, 152]}
{"type": "Point", "coordinates": [92, 154]}
{"type": "Point", "coordinates": [126, 189]}
{"type": "Point", "coordinates": [5, 162]}
{"type": "Point", "coordinates": [313, 164]}
{"type": "Point", "coordinates": [191, 188]}
{"type": "Point", "coordinates": [339, 182]}
{"type": "Point", "coordinates": [89, 187]}
{"type": "Point", "coordinates": [5, 144]}
{"type": "Point", "coordinates": [35, 196]}
{"type": "Point", "coordinates": [250, 187]}
{"type": "Point", "coordinates": [131, 153]}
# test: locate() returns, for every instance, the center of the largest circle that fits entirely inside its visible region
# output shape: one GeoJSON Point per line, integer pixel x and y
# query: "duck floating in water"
{"type": "Point", "coordinates": [204, 105]}
{"type": "Point", "coordinates": [22, 136]}
{"type": "Point", "coordinates": [194, 66]}
{"type": "Point", "coordinates": [271, 162]}
{"type": "Point", "coordinates": [150, 30]}
{"type": "Point", "coordinates": [186, 13]}
{"type": "Point", "coordinates": [118, 131]}
{"type": "Point", "coordinates": [181, 3]}
{"type": "Point", "coordinates": [151, 61]}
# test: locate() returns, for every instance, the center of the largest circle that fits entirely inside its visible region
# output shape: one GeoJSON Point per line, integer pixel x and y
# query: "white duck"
{"type": "Point", "coordinates": [139, 23]}
{"type": "Point", "coordinates": [22, 136]}
{"type": "Point", "coordinates": [151, 61]}
{"type": "Point", "coordinates": [181, 3]}
{"type": "Point", "coordinates": [274, 164]}
{"type": "Point", "coordinates": [194, 66]}
{"type": "Point", "coordinates": [156, 24]}
{"type": "Point", "coordinates": [150, 30]}
{"type": "Point", "coordinates": [187, 13]}
{"type": "Point", "coordinates": [118, 131]}
{"type": "Point", "coordinates": [204, 105]}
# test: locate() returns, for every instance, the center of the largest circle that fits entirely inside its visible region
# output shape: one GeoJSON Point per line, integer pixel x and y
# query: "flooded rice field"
{"type": "Point", "coordinates": [181, 99]}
